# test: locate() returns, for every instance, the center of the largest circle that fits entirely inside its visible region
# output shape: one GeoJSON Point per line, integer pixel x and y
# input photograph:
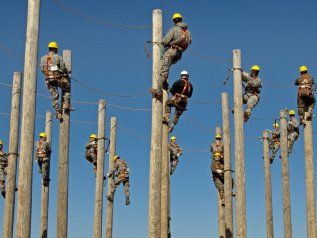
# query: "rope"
{"type": "Point", "coordinates": [99, 21]}
{"type": "Point", "coordinates": [108, 94]}
{"type": "Point", "coordinates": [10, 52]}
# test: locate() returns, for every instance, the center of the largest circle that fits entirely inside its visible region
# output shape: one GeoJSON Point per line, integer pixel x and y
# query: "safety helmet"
{"type": "Point", "coordinates": [184, 72]}
{"type": "Point", "coordinates": [217, 154]}
{"type": "Point", "coordinates": [303, 68]}
{"type": "Point", "coordinates": [275, 125]}
{"type": "Point", "coordinates": [0, 142]}
{"type": "Point", "coordinates": [53, 44]}
{"type": "Point", "coordinates": [255, 67]}
{"type": "Point", "coordinates": [116, 157]}
{"type": "Point", "coordinates": [42, 134]}
{"type": "Point", "coordinates": [173, 138]}
{"type": "Point", "coordinates": [177, 15]}
{"type": "Point", "coordinates": [291, 112]}
{"type": "Point", "coordinates": [218, 136]}
{"type": "Point", "coordinates": [93, 136]}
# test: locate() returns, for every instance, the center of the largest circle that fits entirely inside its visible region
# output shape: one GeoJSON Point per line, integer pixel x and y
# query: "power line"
{"type": "Point", "coordinates": [208, 57]}
{"type": "Point", "coordinates": [99, 21]}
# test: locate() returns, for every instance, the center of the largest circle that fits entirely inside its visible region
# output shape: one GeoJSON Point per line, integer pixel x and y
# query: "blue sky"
{"type": "Point", "coordinates": [277, 35]}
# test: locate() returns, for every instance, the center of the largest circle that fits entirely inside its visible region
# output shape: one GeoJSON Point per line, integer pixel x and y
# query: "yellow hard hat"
{"type": "Point", "coordinates": [255, 67]}
{"type": "Point", "coordinates": [53, 44]}
{"type": "Point", "coordinates": [217, 154]}
{"type": "Point", "coordinates": [303, 68]}
{"type": "Point", "coordinates": [275, 125]}
{"type": "Point", "coordinates": [218, 136]}
{"type": "Point", "coordinates": [116, 157]}
{"type": "Point", "coordinates": [177, 15]}
{"type": "Point", "coordinates": [93, 136]}
{"type": "Point", "coordinates": [173, 138]}
{"type": "Point", "coordinates": [291, 112]}
{"type": "Point", "coordinates": [0, 142]}
{"type": "Point", "coordinates": [42, 134]}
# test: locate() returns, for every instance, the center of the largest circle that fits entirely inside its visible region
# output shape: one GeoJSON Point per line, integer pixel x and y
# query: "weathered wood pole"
{"type": "Point", "coordinates": [268, 187]}
{"type": "Point", "coordinates": [310, 187]}
{"type": "Point", "coordinates": [156, 137]}
{"type": "Point", "coordinates": [227, 166]}
{"type": "Point", "coordinates": [100, 169]}
{"type": "Point", "coordinates": [221, 208]}
{"type": "Point", "coordinates": [112, 153]}
{"type": "Point", "coordinates": [165, 177]}
{"type": "Point", "coordinates": [12, 157]}
{"type": "Point", "coordinates": [63, 163]}
{"type": "Point", "coordinates": [45, 190]}
{"type": "Point", "coordinates": [285, 177]}
{"type": "Point", "coordinates": [241, 228]}
{"type": "Point", "coordinates": [23, 227]}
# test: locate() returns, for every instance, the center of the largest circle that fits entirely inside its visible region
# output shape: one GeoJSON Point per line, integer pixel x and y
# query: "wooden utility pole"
{"type": "Point", "coordinates": [12, 157]}
{"type": "Point", "coordinates": [45, 190]}
{"type": "Point", "coordinates": [221, 218]}
{"type": "Point", "coordinates": [268, 187]}
{"type": "Point", "coordinates": [165, 178]}
{"type": "Point", "coordinates": [285, 177]}
{"type": "Point", "coordinates": [221, 209]}
{"type": "Point", "coordinates": [227, 166]}
{"type": "Point", "coordinates": [156, 137]}
{"type": "Point", "coordinates": [112, 153]}
{"type": "Point", "coordinates": [63, 163]}
{"type": "Point", "coordinates": [310, 187]}
{"type": "Point", "coordinates": [23, 227]}
{"type": "Point", "coordinates": [100, 169]}
{"type": "Point", "coordinates": [241, 228]}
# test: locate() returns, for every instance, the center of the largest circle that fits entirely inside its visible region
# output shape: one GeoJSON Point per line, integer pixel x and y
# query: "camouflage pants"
{"type": "Point", "coordinates": [125, 183]}
{"type": "Point", "coordinates": [44, 165]}
{"type": "Point", "coordinates": [92, 158]}
{"type": "Point", "coordinates": [274, 147]}
{"type": "Point", "coordinates": [180, 107]}
{"type": "Point", "coordinates": [305, 104]}
{"type": "Point", "coordinates": [3, 172]}
{"type": "Point", "coordinates": [251, 100]}
{"type": "Point", "coordinates": [292, 137]}
{"type": "Point", "coordinates": [174, 162]}
{"type": "Point", "coordinates": [170, 56]}
{"type": "Point", "coordinates": [52, 86]}
{"type": "Point", "coordinates": [219, 183]}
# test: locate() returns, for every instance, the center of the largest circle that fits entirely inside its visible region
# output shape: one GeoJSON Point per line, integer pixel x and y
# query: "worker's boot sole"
{"type": "Point", "coordinates": [155, 94]}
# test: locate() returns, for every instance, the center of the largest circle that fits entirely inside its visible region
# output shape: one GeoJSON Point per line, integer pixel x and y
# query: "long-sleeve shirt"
{"type": "Point", "coordinates": [43, 149]}
{"type": "Point", "coordinates": [91, 148]}
{"type": "Point", "coordinates": [216, 146]}
{"type": "Point", "coordinates": [293, 125]}
{"type": "Point", "coordinates": [178, 87]}
{"type": "Point", "coordinates": [3, 159]}
{"type": "Point", "coordinates": [56, 64]}
{"type": "Point", "coordinates": [304, 80]}
{"type": "Point", "coordinates": [175, 148]}
{"type": "Point", "coordinates": [121, 167]}
{"type": "Point", "coordinates": [253, 85]}
{"type": "Point", "coordinates": [178, 35]}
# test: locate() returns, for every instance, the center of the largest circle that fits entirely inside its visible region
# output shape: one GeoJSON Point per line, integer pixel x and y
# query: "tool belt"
{"type": "Point", "coordinates": [253, 91]}
{"type": "Point", "coordinates": [304, 91]}
{"type": "Point", "coordinates": [124, 176]}
{"type": "Point", "coordinates": [177, 48]}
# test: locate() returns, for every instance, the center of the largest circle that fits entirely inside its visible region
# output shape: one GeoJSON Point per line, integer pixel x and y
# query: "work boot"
{"type": "Point", "coordinates": [127, 201]}
{"type": "Point", "coordinates": [246, 116]}
{"type": "Point", "coordinates": [46, 182]}
{"type": "Point", "coordinates": [156, 93]}
{"type": "Point", "coordinates": [67, 107]}
{"type": "Point", "coordinates": [3, 193]}
{"type": "Point", "coordinates": [58, 114]}
{"type": "Point", "coordinates": [110, 198]}
{"type": "Point", "coordinates": [170, 129]}
{"type": "Point", "coordinates": [166, 119]}
{"type": "Point", "coordinates": [271, 160]}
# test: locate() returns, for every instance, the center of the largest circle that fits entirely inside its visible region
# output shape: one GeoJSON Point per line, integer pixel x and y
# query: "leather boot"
{"type": "Point", "coordinates": [127, 201]}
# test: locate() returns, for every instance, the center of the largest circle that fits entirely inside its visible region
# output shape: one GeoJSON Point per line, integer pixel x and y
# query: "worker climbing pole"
{"type": "Point", "coordinates": [181, 90]}
{"type": "Point", "coordinates": [292, 131]}
{"type": "Point", "coordinates": [176, 41]}
{"type": "Point", "coordinates": [91, 151]}
{"type": "Point", "coordinates": [56, 76]}
{"type": "Point", "coordinates": [45, 184]}
{"type": "Point", "coordinates": [175, 152]}
{"type": "Point", "coordinates": [3, 169]}
{"type": "Point", "coordinates": [43, 154]}
{"type": "Point", "coordinates": [274, 141]}
{"type": "Point", "coordinates": [305, 96]}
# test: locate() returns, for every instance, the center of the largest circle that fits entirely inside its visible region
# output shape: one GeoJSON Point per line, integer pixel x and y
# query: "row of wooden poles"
{"type": "Point", "coordinates": [159, 191]}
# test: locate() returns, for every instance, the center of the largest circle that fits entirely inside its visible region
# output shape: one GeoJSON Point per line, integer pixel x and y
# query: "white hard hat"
{"type": "Point", "coordinates": [184, 72]}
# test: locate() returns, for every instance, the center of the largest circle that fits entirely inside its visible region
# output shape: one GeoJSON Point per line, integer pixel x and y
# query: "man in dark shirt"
{"type": "Point", "coordinates": [181, 91]}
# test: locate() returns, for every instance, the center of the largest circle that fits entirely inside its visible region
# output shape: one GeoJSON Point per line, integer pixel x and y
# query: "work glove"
{"type": "Point", "coordinates": [179, 154]}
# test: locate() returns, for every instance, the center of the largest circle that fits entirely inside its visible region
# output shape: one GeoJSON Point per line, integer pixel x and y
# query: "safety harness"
{"type": "Point", "coordinates": [184, 43]}
{"type": "Point", "coordinates": [41, 151]}
{"type": "Point", "coordinates": [305, 87]}
{"type": "Point", "coordinates": [180, 99]}
{"type": "Point", "coordinates": [123, 173]}
{"type": "Point", "coordinates": [3, 159]}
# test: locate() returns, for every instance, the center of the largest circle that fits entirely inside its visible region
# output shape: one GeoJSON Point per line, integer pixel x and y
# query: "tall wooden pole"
{"type": "Point", "coordinates": [221, 209]}
{"type": "Point", "coordinates": [310, 184]}
{"type": "Point", "coordinates": [45, 190]}
{"type": "Point", "coordinates": [268, 187]}
{"type": "Point", "coordinates": [241, 228]}
{"type": "Point", "coordinates": [227, 166]}
{"type": "Point", "coordinates": [285, 177]}
{"type": "Point", "coordinates": [165, 178]}
{"type": "Point", "coordinates": [63, 164]}
{"type": "Point", "coordinates": [23, 227]}
{"type": "Point", "coordinates": [156, 137]}
{"type": "Point", "coordinates": [100, 170]}
{"type": "Point", "coordinates": [12, 157]}
{"type": "Point", "coordinates": [112, 153]}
